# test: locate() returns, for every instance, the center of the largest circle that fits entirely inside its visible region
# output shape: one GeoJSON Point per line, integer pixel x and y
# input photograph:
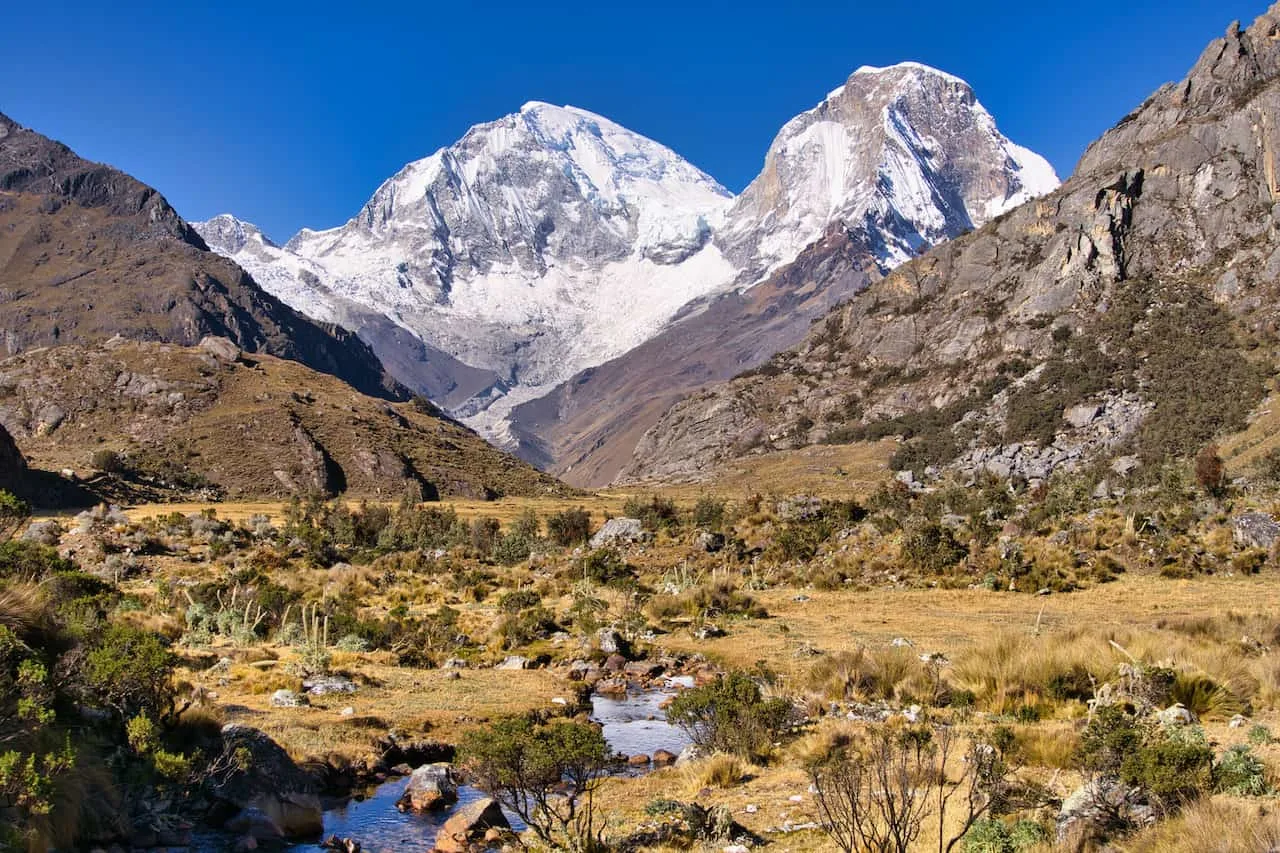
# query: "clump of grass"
{"type": "Point", "coordinates": [1046, 746]}
{"type": "Point", "coordinates": [1222, 826]}
{"type": "Point", "coordinates": [719, 770]}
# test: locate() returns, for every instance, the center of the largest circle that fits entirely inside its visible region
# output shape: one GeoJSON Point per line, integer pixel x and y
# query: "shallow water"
{"type": "Point", "coordinates": [381, 828]}
{"type": "Point", "coordinates": [637, 724]}
{"type": "Point", "coordinates": [632, 724]}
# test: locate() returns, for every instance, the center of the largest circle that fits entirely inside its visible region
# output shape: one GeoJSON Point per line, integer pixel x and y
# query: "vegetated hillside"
{"type": "Point", "coordinates": [1133, 311]}
{"type": "Point", "coordinates": [87, 252]}
{"type": "Point", "coordinates": [164, 420]}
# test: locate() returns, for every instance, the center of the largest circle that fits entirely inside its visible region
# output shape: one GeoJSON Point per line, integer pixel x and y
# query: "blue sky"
{"type": "Point", "coordinates": [292, 114]}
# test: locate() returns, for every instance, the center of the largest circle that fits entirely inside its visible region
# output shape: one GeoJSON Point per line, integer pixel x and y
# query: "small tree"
{"type": "Point", "coordinates": [569, 528]}
{"type": "Point", "coordinates": [730, 715]}
{"type": "Point", "coordinates": [13, 512]}
{"type": "Point", "coordinates": [1210, 473]}
{"type": "Point", "coordinates": [547, 774]}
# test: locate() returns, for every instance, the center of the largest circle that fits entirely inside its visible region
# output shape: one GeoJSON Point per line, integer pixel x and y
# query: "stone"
{"type": "Point", "coordinates": [431, 787]}
{"type": "Point", "coordinates": [1176, 714]}
{"type": "Point", "coordinates": [707, 632]}
{"type": "Point", "coordinates": [1082, 415]}
{"type": "Point", "coordinates": [275, 798]}
{"type": "Point", "coordinates": [514, 662]}
{"type": "Point", "coordinates": [710, 541]}
{"type": "Point", "coordinates": [610, 641]}
{"type": "Point", "coordinates": [614, 663]}
{"type": "Point", "coordinates": [284, 698]}
{"type": "Point", "coordinates": [664, 758]}
{"type": "Point", "coordinates": [619, 531]}
{"type": "Point", "coordinates": [220, 348]}
{"type": "Point", "coordinates": [322, 685]}
{"type": "Point", "coordinates": [1239, 721]}
{"type": "Point", "coordinates": [638, 760]}
{"type": "Point", "coordinates": [687, 755]}
{"type": "Point", "coordinates": [1100, 801]}
{"type": "Point", "coordinates": [1124, 465]}
{"type": "Point", "coordinates": [1255, 530]}
{"type": "Point", "coordinates": [470, 823]}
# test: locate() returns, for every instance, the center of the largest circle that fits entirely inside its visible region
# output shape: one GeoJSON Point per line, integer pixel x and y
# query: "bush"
{"type": "Point", "coordinates": [1241, 773]}
{"type": "Point", "coordinates": [927, 546]}
{"type": "Point", "coordinates": [709, 512]}
{"type": "Point", "coordinates": [546, 774]}
{"type": "Point", "coordinates": [991, 835]}
{"type": "Point", "coordinates": [731, 715]}
{"type": "Point", "coordinates": [130, 671]}
{"type": "Point", "coordinates": [569, 528]}
{"type": "Point", "coordinates": [1171, 765]}
{"type": "Point", "coordinates": [605, 566]}
{"type": "Point", "coordinates": [656, 513]}
{"type": "Point", "coordinates": [13, 512]}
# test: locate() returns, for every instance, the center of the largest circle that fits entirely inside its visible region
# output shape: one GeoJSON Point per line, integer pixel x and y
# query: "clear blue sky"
{"type": "Point", "coordinates": [291, 115]}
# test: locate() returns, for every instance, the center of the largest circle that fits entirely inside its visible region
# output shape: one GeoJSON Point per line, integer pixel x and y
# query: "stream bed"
{"type": "Point", "coordinates": [633, 724]}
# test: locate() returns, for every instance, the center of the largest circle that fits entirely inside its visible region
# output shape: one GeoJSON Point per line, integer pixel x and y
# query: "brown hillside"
{"type": "Point", "coordinates": [186, 420]}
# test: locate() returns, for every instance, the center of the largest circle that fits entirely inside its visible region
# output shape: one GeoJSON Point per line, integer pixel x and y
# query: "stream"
{"type": "Point", "coordinates": [632, 724]}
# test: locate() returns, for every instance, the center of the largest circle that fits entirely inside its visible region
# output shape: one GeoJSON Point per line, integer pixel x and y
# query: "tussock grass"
{"type": "Point", "coordinates": [716, 771]}
{"type": "Point", "coordinates": [1216, 825]}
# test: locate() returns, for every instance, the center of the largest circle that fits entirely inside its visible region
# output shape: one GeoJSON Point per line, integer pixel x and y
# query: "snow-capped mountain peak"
{"type": "Point", "coordinates": [553, 239]}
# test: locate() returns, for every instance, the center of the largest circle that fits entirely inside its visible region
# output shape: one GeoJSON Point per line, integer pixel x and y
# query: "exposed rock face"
{"type": "Point", "coordinates": [276, 799]}
{"type": "Point", "coordinates": [87, 252]}
{"type": "Point", "coordinates": [1255, 530]}
{"type": "Point", "coordinates": [12, 465]}
{"type": "Point", "coordinates": [1171, 210]}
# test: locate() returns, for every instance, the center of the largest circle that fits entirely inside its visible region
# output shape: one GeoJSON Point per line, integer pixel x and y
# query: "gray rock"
{"type": "Point", "coordinates": [431, 787]}
{"type": "Point", "coordinates": [1255, 530]}
{"type": "Point", "coordinates": [1082, 415]}
{"type": "Point", "coordinates": [220, 348]}
{"type": "Point", "coordinates": [710, 541]}
{"type": "Point", "coordinates": [322, 685]}
{"type": "Point", "coordinates": [288, 699]}
{"type": "Point", "coordinates": [469, 824]}
{"type": "Point", "coordinates": [514, 662]}
{"type": "Point", "coordinates": [1099, 803]}
{"type": "Point", "coordinates": [619, 531]}
{"type": "Point", "coordinates": [1175, 715]}
{"type": "Point", "coordinates": [276, 798]}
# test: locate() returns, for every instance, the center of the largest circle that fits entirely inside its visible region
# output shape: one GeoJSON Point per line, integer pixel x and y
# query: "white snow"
{"type": "Point", "coordinates": [553, 239]}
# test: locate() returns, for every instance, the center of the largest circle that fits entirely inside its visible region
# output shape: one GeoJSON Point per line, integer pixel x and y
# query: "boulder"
{"type": "Point", "coordinates": [468, 824]}
{"type": "Point", "coordinates": [1095, 806]}
{"type": "Point", "coordinates": [664, 758]}
{"type": "Point", "coordinates": [322, 685]}
{"type": "Point", "coordinates": [275, 798]}
{"type": "Point", "coordinates": [1255, 530]}
{"type": "Point", "coordinates": [639, 760]}
{"type": "Point", "coordinates": [431, 787]}
{"type": "Point", "coordinates": [1175, 715]}
{"type": "Point", "coordinates": [288, 699]}
{"type": "Point", "coordinates": [514, 662]}
{"type": "Point", "coordinates": [619, 531]}
{"type": "Point", "coordinates": [222, 349]}
{"type": "Point", "coordinates": [611, 642]}
{"type": "Point", "coordinates": [710, 541]}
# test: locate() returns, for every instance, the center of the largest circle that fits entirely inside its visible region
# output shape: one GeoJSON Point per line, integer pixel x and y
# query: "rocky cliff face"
{"type": "Point", "coordinates": [552, 243]}
{"type": "Point", "coordinates": [1132, 311]}
{"type": "Point", "coordinates": [87, 252]}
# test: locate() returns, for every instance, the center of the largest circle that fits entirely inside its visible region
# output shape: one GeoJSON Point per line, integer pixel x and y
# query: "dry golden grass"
{"type": "Point", "coordinates": [414, 701]}
{"type": "Point", "coordinates": [1217, 825]}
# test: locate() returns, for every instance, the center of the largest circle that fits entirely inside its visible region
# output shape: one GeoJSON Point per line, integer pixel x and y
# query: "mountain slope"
{"type": "Point", "coordinates": [87, 252]}
{"type": "Point", "coordinates": [213, 422]}
{"type": "Point", "coordinates": [553, 246]}
{"type": "Point", "coordinates": [1133, 310]}
{"type": "Point", "coordinates": [894, 161]}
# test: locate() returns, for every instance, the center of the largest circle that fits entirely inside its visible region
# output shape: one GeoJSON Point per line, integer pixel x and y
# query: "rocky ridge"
{"type": "Point", "coordinates": [88, 252]}
{"type": "Point", "coordinates": [553, 241]}
{"type": "Point", "coordinates": [1145, 286]}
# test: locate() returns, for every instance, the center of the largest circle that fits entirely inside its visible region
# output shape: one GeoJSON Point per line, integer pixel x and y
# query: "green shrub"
{"type": "Point", "coordinates": [992, 835]}
{"type": "Point", "coordinates": [656, 513]}
{"type": "Point", "coordinates": [731, 715]}
{"type": "Point", "coordinates": [927, 546]}
{"type": "Point", "coordinates": [130, 671]}
{"type": "Point", "coordinates": [1240, 773]}
{"type": "Point", "coordinates": [709, 512]}
{"type": "Point", "coordinates": [605, 566]}
{"type": "Point", "coordinates": [569, 528]}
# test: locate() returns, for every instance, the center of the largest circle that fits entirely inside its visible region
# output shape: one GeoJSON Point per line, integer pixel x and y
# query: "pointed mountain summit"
{"type": "Point", "coordinates": [552, 241]}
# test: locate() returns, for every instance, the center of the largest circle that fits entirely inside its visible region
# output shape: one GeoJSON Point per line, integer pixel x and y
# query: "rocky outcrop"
{"type": "Point", "coordinates": [88, 252]}
{"type": "Point", "coordinates": [12, 466]}
{"type": "Point", "coordinates": [1255, 530]}
{"type": "Point", "coordinates": [270, 797]}
{"type": "Point", "coordinates": [1166, 226]}
{"type": "Point", "coordinates": [619, 531]}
